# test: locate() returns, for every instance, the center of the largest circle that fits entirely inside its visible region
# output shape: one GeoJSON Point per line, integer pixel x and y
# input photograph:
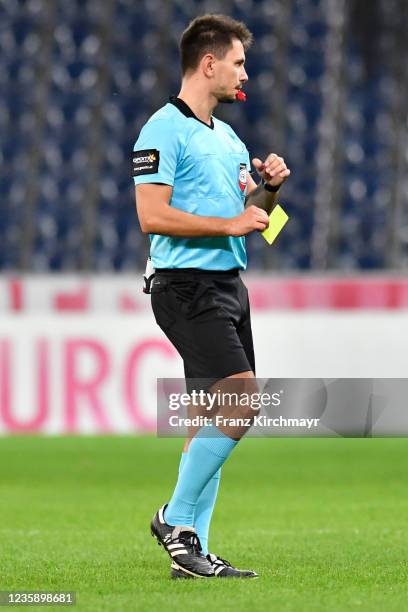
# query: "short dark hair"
{"type": "Point", "coordinates": [211, 34]}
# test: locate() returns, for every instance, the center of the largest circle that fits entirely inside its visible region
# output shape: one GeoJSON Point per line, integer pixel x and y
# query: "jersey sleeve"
{"type": "Point", "coordinates": [155, 153]}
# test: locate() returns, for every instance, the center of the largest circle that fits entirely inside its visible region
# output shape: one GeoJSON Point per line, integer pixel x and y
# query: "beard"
{"type": "Point", "coordinates": [226, 100]}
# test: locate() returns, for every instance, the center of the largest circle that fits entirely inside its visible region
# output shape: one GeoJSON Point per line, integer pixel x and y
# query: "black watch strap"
{"type": "Point", "coordinates": [270, 188]}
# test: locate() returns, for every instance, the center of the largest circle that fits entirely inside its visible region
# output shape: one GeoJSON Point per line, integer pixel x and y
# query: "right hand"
{"type": "Point", "coordinates": [253, 218]}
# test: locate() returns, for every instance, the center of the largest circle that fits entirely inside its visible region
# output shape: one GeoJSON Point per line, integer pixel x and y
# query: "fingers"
{"type": "Point", "coordinates": [260, 217]}
{"type": "Point", "coordinates": [275, 167]}
{"type": "Point", "coordinates": [262, 226]}
{"type": "Point", "coordinates": [258, 164]}
{"type": "Point", "coordinates": [258, 213]}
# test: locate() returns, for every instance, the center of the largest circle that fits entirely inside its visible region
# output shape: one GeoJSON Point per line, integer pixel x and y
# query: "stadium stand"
{"type": "Point", "coordinates": [77, 84]}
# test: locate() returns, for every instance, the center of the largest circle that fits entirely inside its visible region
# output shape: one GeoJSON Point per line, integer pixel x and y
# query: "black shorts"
{"type": "Point", "coordinates": [206, 316]}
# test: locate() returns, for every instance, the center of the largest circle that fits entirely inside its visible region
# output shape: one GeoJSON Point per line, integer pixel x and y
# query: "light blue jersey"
{"type": "Point", "coordinates": [206, 166]}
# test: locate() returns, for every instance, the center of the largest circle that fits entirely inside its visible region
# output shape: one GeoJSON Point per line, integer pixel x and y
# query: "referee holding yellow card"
{"type": "Point", "coordinates": [197, 200]}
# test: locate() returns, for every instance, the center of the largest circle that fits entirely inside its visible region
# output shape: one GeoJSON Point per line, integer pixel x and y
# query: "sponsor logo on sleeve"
{"type": "Point", "coordinates": [145, 161]}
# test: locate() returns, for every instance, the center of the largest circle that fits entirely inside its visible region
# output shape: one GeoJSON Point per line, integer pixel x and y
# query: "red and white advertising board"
{"type": "Point", "coordinates": [95, 373]}
{"type": "Point", "coordinates": [123, 293]}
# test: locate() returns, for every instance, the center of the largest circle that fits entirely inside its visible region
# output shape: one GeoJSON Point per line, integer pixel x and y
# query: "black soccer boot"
{"type": "Point", "coordinates": [222, 569]}
{"type": "Point", "coordinates": [182, 544]}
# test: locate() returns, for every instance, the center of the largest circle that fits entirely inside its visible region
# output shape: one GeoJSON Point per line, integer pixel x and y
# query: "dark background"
{"type": "Point", "coordinates": [328, 90]}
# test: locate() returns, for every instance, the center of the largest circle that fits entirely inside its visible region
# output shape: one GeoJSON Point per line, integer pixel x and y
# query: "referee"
{"type": "Point", "coordinates": [197, 200]}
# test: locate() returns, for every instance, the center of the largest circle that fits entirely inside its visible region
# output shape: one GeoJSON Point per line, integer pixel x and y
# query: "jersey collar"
{"type": "Point", "coordinates": [186, 110]}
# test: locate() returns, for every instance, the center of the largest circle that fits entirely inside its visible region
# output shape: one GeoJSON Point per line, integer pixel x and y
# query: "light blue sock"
{"type": "Point", "coordinates": [208, 451]}
{"type": "Point", "coordinates": [205, 506]}
{"type": "Point", "coordinates": [204, 510]}
{"type": "Point", "coordinates": [182, 461]}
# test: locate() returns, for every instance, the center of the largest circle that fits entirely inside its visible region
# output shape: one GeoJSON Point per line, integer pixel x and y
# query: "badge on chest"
{"type": "Point", "coordinates": [242, 177]}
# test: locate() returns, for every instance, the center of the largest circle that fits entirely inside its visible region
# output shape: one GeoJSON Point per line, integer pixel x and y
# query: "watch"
{"type": "Point", "coordinates": [270, 188]}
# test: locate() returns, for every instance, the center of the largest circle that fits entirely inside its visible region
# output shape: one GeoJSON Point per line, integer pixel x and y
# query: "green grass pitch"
{"type": "Point", "coordinates": [324, 522]}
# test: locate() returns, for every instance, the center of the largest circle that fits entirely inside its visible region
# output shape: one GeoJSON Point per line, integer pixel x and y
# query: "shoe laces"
{"type": "Point", "coordinates": [188, 538]}
{"type": "Point", "coordinates": [218, 560]}
{"type": "Point", "coordinates": [191, 540]}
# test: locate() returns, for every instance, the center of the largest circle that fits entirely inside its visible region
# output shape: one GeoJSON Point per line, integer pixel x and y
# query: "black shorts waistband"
{"type": "Point", "coordinates": [197, 272]}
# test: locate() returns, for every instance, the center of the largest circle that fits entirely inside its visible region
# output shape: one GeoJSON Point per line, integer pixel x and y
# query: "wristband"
{"type": "Point", "coordinates": [270, 188]}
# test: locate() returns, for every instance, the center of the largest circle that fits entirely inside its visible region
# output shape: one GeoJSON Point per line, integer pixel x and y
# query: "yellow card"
{"type": "Point", "coordinates": [277, 220]}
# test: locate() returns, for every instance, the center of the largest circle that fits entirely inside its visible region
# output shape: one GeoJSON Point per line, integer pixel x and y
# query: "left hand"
{"type": "Point", "coordinates": [273, 170]}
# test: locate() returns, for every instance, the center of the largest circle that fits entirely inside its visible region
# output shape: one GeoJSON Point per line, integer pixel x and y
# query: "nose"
{"type": "Point", "coordinates": [244, 77]}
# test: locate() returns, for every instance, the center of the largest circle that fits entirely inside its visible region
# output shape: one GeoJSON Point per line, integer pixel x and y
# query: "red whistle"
{"type": "Point", "coordinates": [240, 95]}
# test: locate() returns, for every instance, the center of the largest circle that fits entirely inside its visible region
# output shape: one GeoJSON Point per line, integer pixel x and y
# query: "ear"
{"type": "Point", "coordinates": [207, 65]}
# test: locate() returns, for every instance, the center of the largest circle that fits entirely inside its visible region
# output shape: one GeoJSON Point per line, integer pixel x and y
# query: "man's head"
{"type": "Point", "coordinates": [213, 46]}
